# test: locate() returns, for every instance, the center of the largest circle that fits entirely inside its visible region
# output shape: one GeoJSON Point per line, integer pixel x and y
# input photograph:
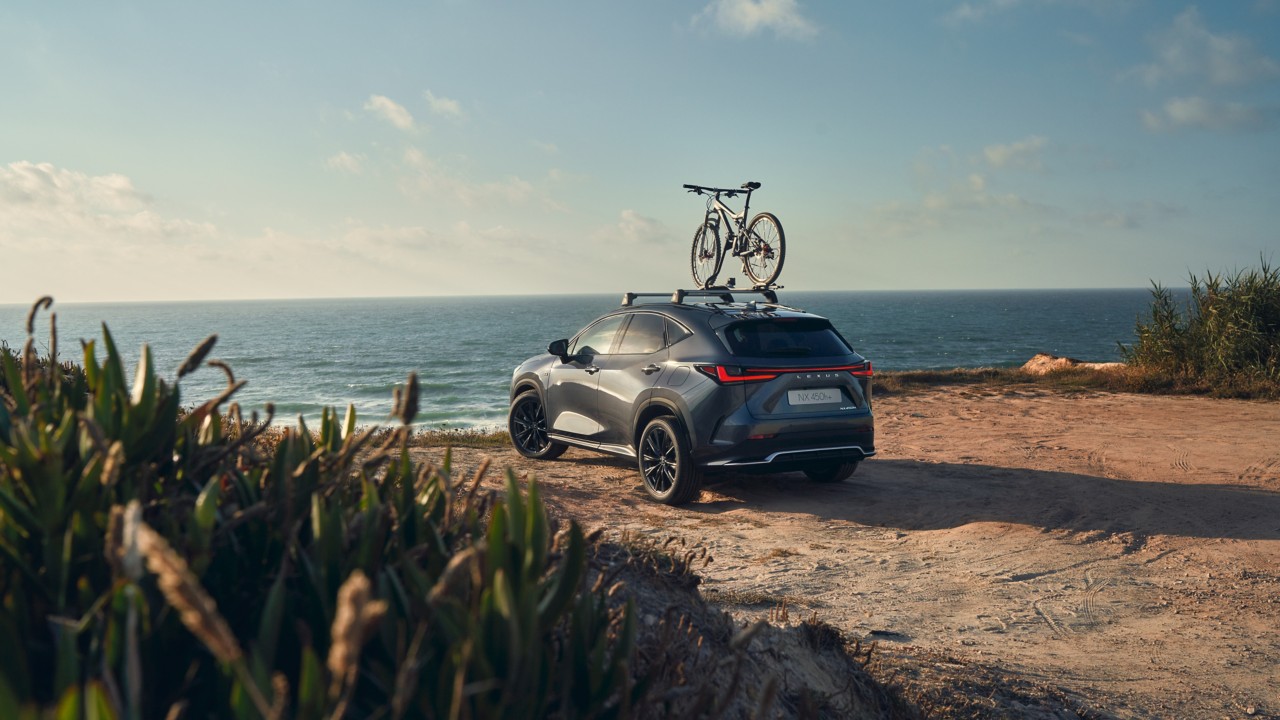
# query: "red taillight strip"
{"type": "Point", "coordinates": [729, 374]}
{"type": "Point", "coordinates": [860, 370]}
{"type": "Point", "coordinates": [721, 374]}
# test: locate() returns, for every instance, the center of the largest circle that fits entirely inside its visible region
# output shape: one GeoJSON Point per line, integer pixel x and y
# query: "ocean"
{"type": "Point", "coordinates": [304, 355]}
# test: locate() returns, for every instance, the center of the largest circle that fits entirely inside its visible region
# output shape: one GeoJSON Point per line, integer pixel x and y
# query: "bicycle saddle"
{"type": "Point", "coordinates": [751, 186]}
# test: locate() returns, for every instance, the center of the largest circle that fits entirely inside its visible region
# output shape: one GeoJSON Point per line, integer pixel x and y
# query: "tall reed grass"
{"type": "Point", "coordinates": [1226, 337]}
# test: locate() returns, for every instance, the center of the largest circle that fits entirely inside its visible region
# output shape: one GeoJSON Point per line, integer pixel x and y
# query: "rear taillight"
{"type": "Point", "coordinates": [729, 374]}
{"type": "Point", "coordinates": [725, 374]}
{"type": "Point", "coordinates": [859, 370]}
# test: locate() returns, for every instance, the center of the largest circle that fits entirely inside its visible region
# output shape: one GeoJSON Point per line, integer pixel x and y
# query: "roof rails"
{"type": "Point", "coordinates": [724, 293]}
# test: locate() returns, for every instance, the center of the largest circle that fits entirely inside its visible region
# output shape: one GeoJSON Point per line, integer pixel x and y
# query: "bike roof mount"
{"type": "Point", "coordinates": [724, 293]}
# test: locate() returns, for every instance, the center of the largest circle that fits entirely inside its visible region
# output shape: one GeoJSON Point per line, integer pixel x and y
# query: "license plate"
{"type": "Point", "coordinates": [814, 396]}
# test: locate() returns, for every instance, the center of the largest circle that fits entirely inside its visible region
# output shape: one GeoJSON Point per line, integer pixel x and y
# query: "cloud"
{"type": "Point", "coordinates": [1021, 154]}
{"type": "Point", "coordinates": [963, 198]}
{"type": "Point", "coordinates": [1199, 113]}
{"type": "Point", "coordinates": [546, 147]}
{"type": "Point", "coordinates": [389, 110]}
{"type": "Point", "coordinates": [347, 162]}
{"type": "Point", "coordinates": [412, 237]}
{"type": "Point", "coordinates": [429, 178]}
{"type": "Point", "coordinates": [1189, 50]}
{"type": "Point", "coordinates": [444, 106]}
{"type": "Point", "coordinates": [973, 12]}
{"type": "Point", "coordinates": [41, 202]}
{"type": "Point", "coordinates": [633, 228]}
{"type": "Point", "coordinates": [954, 194]}
{"type": "Point", "coordinates": [1133, 215]}
{"type": "Point", "coordinates": [744, 18]}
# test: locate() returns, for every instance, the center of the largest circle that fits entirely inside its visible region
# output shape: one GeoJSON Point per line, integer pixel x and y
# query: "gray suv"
{"type": "Point", "coordinates": [698, 384]}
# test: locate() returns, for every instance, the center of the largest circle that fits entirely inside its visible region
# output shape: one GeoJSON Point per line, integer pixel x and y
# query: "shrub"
{"type": "Point", "coordinates": [155, 559]}
{"type": "Point", "coordinates": [1228, 335]}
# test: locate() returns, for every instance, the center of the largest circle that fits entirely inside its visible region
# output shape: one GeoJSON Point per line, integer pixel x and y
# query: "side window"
{"type": "Point", "coordinates": [643, 336]}
{"type": "Point", "coordinates": [597, 339]}
{"type": "Point", "coordinates": [675, 332]}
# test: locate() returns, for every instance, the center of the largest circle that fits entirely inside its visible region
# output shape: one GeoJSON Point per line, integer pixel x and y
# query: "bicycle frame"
{"type": "Point", "coordinates": [735, 222]}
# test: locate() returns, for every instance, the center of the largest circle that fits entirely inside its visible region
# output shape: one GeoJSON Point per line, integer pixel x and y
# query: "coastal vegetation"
{"type": "Point", "coordinates": [1226, 337]}
{"type": "Point", "coordinates": [1224, 341]}
{"type": "Point", "coordinates": [155, 560]}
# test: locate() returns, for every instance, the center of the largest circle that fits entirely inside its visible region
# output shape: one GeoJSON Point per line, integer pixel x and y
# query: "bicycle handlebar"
{"type": "Point", "coordinates": [746, 188]}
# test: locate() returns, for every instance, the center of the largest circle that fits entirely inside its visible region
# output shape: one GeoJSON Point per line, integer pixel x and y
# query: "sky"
{"type": "Point", "coordinates": [234, 150]}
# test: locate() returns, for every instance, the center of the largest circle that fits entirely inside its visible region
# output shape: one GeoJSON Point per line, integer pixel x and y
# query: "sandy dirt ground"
{"type": "Point", "coordinates": [1122, 550]}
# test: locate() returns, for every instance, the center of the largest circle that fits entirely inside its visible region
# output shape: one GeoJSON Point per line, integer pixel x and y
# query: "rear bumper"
{"type": "Point", "coordinates": [783, 458]}
{"type": "Point", "coordinates": [742, 441]}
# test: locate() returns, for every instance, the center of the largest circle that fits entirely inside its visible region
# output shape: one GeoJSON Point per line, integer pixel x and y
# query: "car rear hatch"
{"type": "Point", "coordinates": [795, 368]}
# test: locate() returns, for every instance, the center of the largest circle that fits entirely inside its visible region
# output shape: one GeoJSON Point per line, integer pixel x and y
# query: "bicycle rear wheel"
{"type": "Point", "coordinates": [704, 259]}
{"type": "Point", "coordinates": [767, 248]}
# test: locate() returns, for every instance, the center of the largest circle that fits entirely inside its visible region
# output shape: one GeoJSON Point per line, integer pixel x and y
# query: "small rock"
{"type": "Point", "coordinates": [1044, 363]}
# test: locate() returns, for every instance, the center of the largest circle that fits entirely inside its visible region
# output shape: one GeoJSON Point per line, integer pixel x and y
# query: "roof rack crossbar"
{"type": "Point", "coordinates": [725, 294]}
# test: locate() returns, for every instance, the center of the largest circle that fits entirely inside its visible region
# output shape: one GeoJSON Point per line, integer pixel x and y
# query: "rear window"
{"type": "Point", "coordinates": [785, 337]}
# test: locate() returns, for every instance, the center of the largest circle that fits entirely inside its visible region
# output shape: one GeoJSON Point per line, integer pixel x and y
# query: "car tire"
{"type": "Point", "coordinates": [527, 424]}
{"type": "Point", "coordinates": [830, 472]}
{"type": "Point", "coordinates": [668, 472]}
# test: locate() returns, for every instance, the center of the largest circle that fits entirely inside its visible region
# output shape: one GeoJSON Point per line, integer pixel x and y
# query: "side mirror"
{"type": "Point", "coordinates": [559, 348]}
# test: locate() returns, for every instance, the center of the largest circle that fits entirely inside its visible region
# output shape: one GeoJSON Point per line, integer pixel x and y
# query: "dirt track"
{"type": "Point", "coordinates": [1123, 548]}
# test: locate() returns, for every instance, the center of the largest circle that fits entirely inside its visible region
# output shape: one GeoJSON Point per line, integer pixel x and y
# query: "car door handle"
{"type": "Point", "coordinates": [592, 370]}
{"type": "Point", "coordinates": [650, 369]}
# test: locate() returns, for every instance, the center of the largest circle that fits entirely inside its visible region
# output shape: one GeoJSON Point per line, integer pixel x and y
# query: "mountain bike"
{"type": "Point", "coordinates": [760, 244]}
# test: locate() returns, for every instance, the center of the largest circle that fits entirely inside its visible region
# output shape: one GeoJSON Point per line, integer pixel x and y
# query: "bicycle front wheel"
{"type": "Point", "coordinates": [766, 249]}
{"type": "Point", "coordinates": [704, 260]}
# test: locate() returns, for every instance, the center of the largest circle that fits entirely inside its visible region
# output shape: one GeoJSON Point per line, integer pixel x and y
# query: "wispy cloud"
{"type": "Point", "coordinates": [959, 193]}
{"type": "Point", "coordinates": [428, 177]}
{"type": "Point", "coordinates": [633, 228]}
{"type": "Point", "coordinates": [744, 18]}
{"type": "Point", "coordinates": [42, 202]}
{"type": "Point", "coordinates": [1203, 66]}
{"type": "Point", "coordinates": [974, 11]}
{"type": "Point", "coordinates": [444, 106]}
{"type": "Point", "coordinates": [347, 162]}
{"type": "Point", "coordinates": [1198, 113]}
{"type": "Point", "coordinates": [1189, 50]}
{"type": "Point", "coordinates": [1025, 153]}
{"type": "Point", "coordinates": [389, 110]}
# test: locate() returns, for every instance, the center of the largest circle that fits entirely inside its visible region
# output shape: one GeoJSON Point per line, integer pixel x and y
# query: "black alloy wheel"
{"type": "Point", "coordinates": [768, 246]}
{"type": "Point", "coordinates": [704, 259]}
{"type": "Point", "coordinates": [669, 474]}
{"type": "Point", "coordinates": [527, 423]}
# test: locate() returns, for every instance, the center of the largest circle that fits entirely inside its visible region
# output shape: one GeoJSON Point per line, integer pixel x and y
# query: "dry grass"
{"type": "Point", "coordinates": [468, 438]}
{"type": "Point", "coordinates": [1126, 379]}
{"type": "Point", "coordinates": [751, 598]}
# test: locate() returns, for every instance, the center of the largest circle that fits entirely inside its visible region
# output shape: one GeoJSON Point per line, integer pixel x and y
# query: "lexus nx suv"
{"type": "Point", "coordinates": [701, 383]}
